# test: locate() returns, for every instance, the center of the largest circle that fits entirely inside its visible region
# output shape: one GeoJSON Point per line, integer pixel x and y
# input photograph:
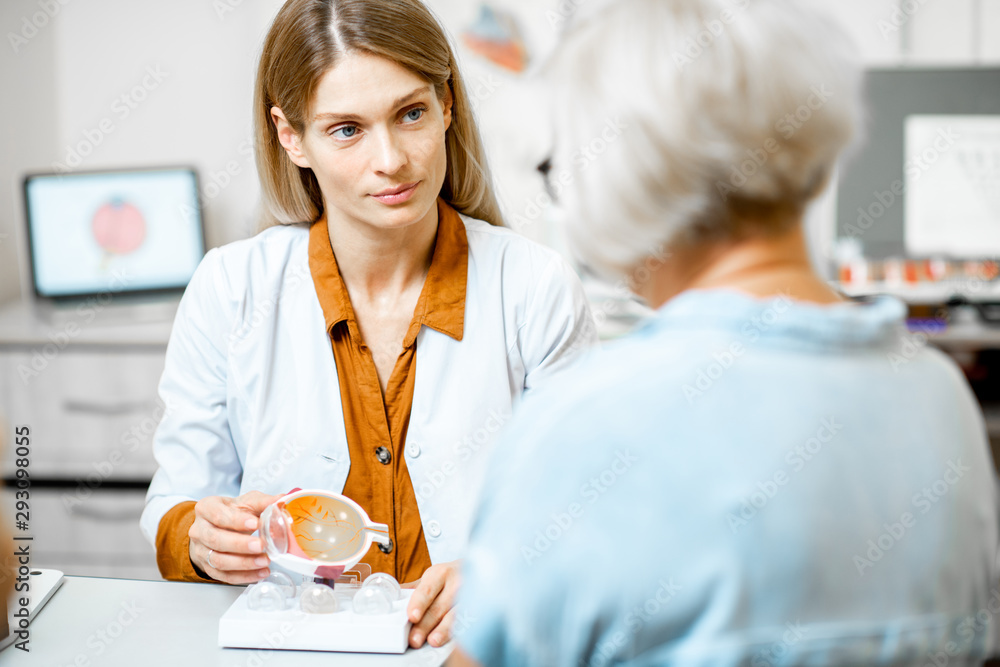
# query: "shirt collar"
{"type": "Point", "coordinates": [441, 305]}
{"type": "Point", "coordinates": [781, 317]}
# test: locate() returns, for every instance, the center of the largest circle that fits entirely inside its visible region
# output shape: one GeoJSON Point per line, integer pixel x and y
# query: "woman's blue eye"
{"type": "Point", "coordinates": [348, 130]}
{"type": "Point", "coordinates": [410, 114]}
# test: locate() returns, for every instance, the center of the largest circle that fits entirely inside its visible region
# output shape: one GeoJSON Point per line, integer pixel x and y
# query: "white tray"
{"type": "Point", "coordinates": [342, 631]}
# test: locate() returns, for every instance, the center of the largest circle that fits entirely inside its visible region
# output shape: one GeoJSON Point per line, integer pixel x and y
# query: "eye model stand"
{"type": "Point", "coordinates": [291, 627]}
{"type": "Point", "coordinates": [320, 535]}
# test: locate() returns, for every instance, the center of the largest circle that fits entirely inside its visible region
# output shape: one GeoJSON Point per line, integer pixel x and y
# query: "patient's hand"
{"type": "Point", "coordinates": [224, 525]}
{"type": "Point", "coordinates": [432, 606]}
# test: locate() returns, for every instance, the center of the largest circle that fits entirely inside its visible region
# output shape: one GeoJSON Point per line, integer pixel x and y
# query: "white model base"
{"type": "Point", "coordinates": [342, 631]}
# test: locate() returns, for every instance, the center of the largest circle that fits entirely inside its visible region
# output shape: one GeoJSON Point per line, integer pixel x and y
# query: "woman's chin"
{"type": "Point", "coordinates": [402, 215]}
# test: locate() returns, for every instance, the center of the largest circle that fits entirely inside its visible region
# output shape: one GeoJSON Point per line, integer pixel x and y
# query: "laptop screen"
{"type": "Point", "coordinates": [113, 232]}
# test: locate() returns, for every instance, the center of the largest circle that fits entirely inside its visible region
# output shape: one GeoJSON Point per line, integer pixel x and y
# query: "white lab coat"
{"type": "Point", "coordinates": [252, 400]}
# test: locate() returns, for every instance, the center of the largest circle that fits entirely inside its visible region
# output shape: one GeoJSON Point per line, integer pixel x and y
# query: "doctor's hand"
{"type": "Point", "coordinates": [432, 605]}
{"type": "Point", "coordinates": [223, 525]}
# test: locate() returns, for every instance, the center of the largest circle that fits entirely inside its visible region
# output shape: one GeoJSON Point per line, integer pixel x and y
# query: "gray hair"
{"type": "Point", "coordinates": [690, 120]}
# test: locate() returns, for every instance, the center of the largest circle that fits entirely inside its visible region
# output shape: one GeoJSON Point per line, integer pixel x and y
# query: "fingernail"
{"type": "Point", "coordinates": [263, 574]}
{"type": "Point", "coordinates": [414, 615]}
{"type": "Point", "coordinates": [250, 523]}
{"type": "Point", "coordinates": [256, 546]}
{"type": "Point", "coordinates": [418, 639]}
{"type": "Point", "coordinates": [260, 561]}
{"type": "Point", "coordinates": [434, 640]}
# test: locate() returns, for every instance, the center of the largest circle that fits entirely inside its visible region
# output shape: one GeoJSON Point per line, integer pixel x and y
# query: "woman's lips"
{"type": "Point", "coordinates": [397, 195]}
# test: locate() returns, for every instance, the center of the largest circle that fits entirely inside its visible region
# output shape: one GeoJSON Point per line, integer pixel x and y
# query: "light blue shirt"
{"type": "Point", "coordinates": [741, 481]}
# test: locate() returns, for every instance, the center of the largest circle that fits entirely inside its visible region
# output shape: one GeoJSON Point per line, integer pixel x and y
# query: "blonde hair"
{"type": "Point", "coordinates": [684, 121]}
{"type": "Point", "coordinates": [305, 40]}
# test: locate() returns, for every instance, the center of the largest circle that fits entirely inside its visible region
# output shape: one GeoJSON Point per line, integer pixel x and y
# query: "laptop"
{"type": "Point", "coordinates": [123, 236]}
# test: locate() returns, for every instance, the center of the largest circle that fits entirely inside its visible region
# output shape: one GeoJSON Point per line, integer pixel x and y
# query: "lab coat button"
{"type": "Point", "coordinates": [413, 449]}
{"type": "Point", "coordinates": [433, 528]}
{"type": "Point", "coordinates": [384, 455]}
{"type": "Point", "coordinates": [386, 548]}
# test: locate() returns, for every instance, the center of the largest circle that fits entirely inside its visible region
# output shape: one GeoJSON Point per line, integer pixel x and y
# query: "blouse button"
{"type": "Point", "coordinates": [433, 528]}
{"type": "Point", "coordinates": [384, 455]}
{"type": "Point", "coordinates": [413, 449]}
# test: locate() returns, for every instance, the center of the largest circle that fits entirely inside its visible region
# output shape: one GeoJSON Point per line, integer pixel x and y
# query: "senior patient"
{"type": "Point", "coordinates": [759, 475]}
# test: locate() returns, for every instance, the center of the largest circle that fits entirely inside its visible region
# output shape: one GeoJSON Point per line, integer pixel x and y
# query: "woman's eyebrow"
{"type": "Point", "coordinates": [398, 102]}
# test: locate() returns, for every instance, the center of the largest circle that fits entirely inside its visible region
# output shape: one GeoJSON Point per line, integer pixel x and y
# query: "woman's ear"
{"type": "Point", "coordinates": [447, 103]}
{"type": "Point", "coordinates": [290, 141]}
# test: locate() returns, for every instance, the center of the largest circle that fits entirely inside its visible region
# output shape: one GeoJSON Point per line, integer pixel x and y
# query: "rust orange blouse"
{"type": "Point", "coordinates": [376, 428]}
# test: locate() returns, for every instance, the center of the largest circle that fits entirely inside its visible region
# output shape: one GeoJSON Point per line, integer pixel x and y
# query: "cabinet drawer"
{"type": "Point", "coordinates": [98, 536]}
{"type": "Point", "coordinates": [87, 410]}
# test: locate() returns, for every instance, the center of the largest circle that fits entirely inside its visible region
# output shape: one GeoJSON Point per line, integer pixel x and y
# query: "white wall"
{"type": "Point", "coordinates": [170, 81]}
{"type": "Point", "coordinates": [59, 85]}
{"type": "Point", "coordinates": [27, 131]}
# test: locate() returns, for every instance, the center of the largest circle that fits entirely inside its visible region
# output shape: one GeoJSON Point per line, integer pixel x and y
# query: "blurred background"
{"type": "Point", "coordinates": [128, 89]}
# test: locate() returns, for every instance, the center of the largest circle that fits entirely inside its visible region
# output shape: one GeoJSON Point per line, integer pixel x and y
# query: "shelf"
{"type": "Point", "coordinates": [117, 325]}
{"type": "Point", "coordinates": [926, 293]}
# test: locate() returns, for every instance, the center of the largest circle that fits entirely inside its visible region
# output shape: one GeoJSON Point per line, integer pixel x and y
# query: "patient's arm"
{"type": "Point", "coordinates": [458, 658]}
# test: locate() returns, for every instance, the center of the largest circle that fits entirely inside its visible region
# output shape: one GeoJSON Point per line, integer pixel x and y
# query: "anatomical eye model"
{"type": "Point", "coordinates": [318, 533]}
{"type": "Point", "coordinates": [325, 528]}
{"type": "Point", "coordinates": [341, 606]}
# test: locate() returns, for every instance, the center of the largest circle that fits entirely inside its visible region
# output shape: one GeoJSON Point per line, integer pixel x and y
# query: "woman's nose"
{"type": "Point", "coordinates": [389, 154]}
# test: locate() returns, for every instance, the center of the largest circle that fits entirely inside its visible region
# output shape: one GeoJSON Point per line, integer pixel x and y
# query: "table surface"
{"type": "Point", "coordinates": [92, 621]}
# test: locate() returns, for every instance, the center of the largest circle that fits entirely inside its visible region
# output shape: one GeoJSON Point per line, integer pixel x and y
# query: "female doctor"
{"type": "Point", "coordinates": [293, 360]}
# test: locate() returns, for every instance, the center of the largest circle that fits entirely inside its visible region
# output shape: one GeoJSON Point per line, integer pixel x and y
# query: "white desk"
{"type": "Point", "coordinates": [170, 623]}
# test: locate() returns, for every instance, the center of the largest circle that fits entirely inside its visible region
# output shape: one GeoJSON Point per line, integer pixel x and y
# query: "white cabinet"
{"type": "Point", "coordinates": [91, 405]}
{"type": "Point", "coordinates": [91, 411]}
{"type": "Point", "coordinates": [96, 537]}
